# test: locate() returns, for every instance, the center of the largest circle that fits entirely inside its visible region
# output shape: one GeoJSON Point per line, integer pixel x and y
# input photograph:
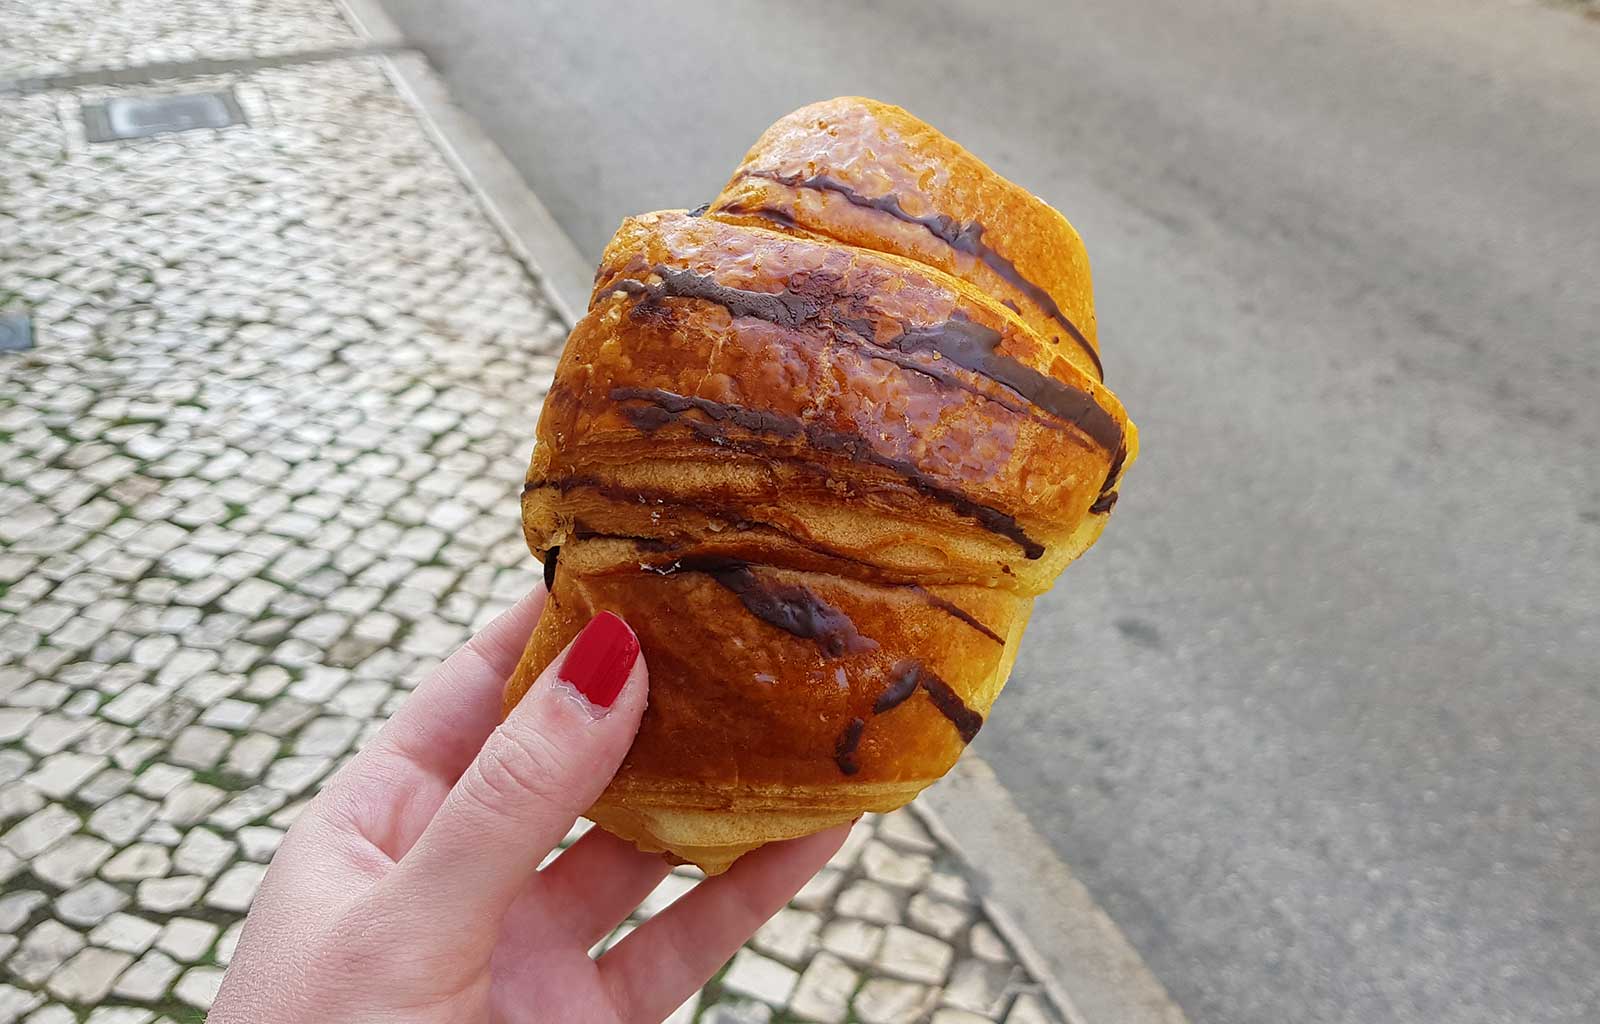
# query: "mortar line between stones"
{"type": "Point", "coordinates": [167, 70]}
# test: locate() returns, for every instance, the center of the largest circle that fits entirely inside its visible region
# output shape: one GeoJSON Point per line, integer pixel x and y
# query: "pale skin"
{"type": "Point", "coordinates": [409, 889]}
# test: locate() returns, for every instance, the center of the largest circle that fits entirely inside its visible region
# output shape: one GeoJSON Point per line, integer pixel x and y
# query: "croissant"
{"type": "Point", "coordinates": [821, 442]}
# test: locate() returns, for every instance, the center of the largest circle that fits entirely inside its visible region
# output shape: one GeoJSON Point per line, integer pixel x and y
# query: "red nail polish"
{"type": "Point", "coordinates": [600, 659]}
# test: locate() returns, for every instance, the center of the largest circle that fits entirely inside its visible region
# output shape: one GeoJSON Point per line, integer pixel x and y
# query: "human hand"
{"type": "Point", "coordinates": [409, 888]}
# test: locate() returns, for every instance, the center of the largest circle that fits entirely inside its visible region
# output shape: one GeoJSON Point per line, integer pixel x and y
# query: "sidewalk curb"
{"type": "Point", "coordinates": [533, 234]}
{"type": "Point", "coordinates": [1088, 968]}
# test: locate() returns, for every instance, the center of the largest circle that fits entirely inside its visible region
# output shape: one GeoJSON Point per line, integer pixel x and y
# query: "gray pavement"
{"type": "Point", "coordinates": [1319, 720]}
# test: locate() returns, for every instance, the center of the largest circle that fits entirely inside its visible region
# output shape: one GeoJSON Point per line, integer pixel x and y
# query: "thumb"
{"type": "Point", "coordinates": [540, 768]}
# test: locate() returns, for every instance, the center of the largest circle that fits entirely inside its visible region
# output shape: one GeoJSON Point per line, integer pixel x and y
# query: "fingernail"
{"type": "Point", "coordinates": [600, 659]}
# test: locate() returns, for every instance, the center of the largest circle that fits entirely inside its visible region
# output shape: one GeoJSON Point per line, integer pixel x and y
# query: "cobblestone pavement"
{"type": "Point", "coordinates": [257, 476]}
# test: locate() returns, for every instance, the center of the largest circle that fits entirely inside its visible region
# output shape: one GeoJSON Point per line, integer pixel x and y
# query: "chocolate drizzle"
{"type": "Point", "coordinates": [902, 687]}
{"type": "Point", "coordinates": [962, 341]}
{"type": "Point", "coordinates": [844, 750]}
{"type": "Point", "coordinates": [788, 606]}
{"type": "Point", "coordinates": [905, 679]}
{"type": "Point", "coordinates": [959, 612]}
{"type": "Point", "coordinates": [550, 558]}
{"type": "Point", "coordinates": [950, 704]}
{"type": "Point", "coordinates": [1104, 503]}
{"type": "Point", "coordinates": [977, 348]}
{"type": "Point", "coordinates": [785, 308]}
{"type": "Point", "coordinates": [669, 407]}
{"type": "Point", "coordinates": [967, 238]}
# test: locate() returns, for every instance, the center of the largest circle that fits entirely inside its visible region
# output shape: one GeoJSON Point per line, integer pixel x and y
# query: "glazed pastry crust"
{"type": "Point", "coordinates": [823, 474]}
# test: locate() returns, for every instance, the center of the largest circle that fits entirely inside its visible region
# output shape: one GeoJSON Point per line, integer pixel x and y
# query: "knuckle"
{"type": "Point", "coordinates": [515, 767]}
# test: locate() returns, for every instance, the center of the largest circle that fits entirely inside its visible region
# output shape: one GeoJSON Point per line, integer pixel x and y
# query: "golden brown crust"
{"type": "Point", "coordinates": [821, 396]}
{"type": "Point", "coordinates": [823, 481]}
{"type": "Point", "coordinates": [871, 174]}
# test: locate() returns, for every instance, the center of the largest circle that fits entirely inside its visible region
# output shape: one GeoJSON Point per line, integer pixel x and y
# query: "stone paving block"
{"type": "Point", "coordinates": [88, 976]}
{"type": "Point", "coordinates": [203, 853]}
{"type": "Point", "coordinates": [251, 753]}
{"type": "Point", "coordinates": [158, 780]}
{"type": "Point", "coordinates": [190, 803]}
{"type": "Point", "coordinates": [103, 786]}
{"type": "Point", "coordinates": [758, 977]}
{"type": "Point", "coordinates": [249, 806]}
{"type": "Point", "coordinates": [14, 1002]}
{"type": "Point", "coordinates": [43, 949]}
{"type": "Point", "coordinates": [120, 1015]}
{"type": "Point", "coordinates": [870, 902]}
{"type": "Point", "coordinates": [54, 1013]}
{"type": "Point", "coordinates": [293, 775]}
{"type": "Point", "coordinates": [198, 986]}
{"type": "Point", "coordinates": [187, 939]}
{"type": "Point", "coordinates": [199, 747]}
{"type": "Point", "coordinates": [137, 862]}
{"type": "Point", "coordinates": [888, 1001]}
{"type": "Point", "coordinates": [735, 1010]}
{"type": "Point", "coordinates": [853, 940]}
{"type": "Point", "coordinates": [228, 943]}
{"type": "Point", "coordinates": [236, 888]}
{"type": "Point", "coordinates": [148, 980]}
{"type": "Point", "coordinates": [19, 800]}
{"type": "Point", "coordinates": [980, 987]}
{"type": "Point", "coordinates": [232, 715]}
{"type": "Point", "coordinates": [937, 917]}
{"type": "Point", "coordinates": [790, 935]}
{"type": "Point", "coordinates": [165, 895]}
{"type": "Point", "coordinates": [16, 906]}
{"type": "Point", "coordinates": [89, 903]}
{"type": "Point", "coordinates": [888, 866]}
{"type": "Point", "coordinates": [823, 992]}
{"type": "Point", "coordinates": [71, 860]}
{"type": "Point", "coordinates": [121, 818]}
{"type": "Point", "coordinates": [45, 734]}
{"type": "Point", "coordinates": [39, 831]}
{"type": "Point", "coordinates": [125, 933]}
{"type": "Point", "coordinates": [15, 722]}
{"type": "Point", "coordinates": [948, 1015]}
{"type": "Point", "coordinates": [916, 957]}
{"type": "Point", "coordinates": [59, 775]}
{"type": "Point", "coordinates": [986, 944]}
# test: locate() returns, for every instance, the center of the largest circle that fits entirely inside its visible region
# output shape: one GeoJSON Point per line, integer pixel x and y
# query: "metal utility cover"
{"type": "Point", "coordinates": [136, 117]}
{"type": "Point", "coordinates": [16, 332]}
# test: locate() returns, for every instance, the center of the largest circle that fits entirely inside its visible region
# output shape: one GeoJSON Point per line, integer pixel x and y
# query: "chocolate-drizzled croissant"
{"type": "Point", "coordinates": [821, 444]}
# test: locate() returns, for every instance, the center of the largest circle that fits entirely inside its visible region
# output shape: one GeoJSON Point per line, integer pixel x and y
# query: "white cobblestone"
{"type": "Point", "coordinates": [87, 977]}
{"type": "Point", "coordinates": [202, 852]}
{"type": "Point", "coordinates": [39, 831]}
{"type": "Point", "coordinates": [187, 939]}
{"type": "Point", "coordinates": [138, 862]}
{"type": "Point", "coordinates": [198, 986]}
{"type": "Point", "coordinates": [148, 980]}
{"type": "Point", "coordinates": [236, 888]}
{"type": "Point", "coordinates": [767, 980]}
{"type": "Point", "coordinates": [916, 957]}
{"type": "Point", "coordinates": [126, 933]}
{"type": "Point", "coordinates": [823, 992]}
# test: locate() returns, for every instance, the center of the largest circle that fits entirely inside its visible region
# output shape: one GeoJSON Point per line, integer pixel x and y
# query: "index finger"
{"type": "Point", "coordinates": [393, 788]}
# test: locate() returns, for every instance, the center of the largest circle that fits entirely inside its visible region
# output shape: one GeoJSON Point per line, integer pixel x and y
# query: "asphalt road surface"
{"type": "Point", "coordinates": [1318, 721]}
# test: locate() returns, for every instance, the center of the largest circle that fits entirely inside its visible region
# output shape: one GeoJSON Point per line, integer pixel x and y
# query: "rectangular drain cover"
{"type": "Point", "coordinates": [136, 117]}
{"type": "Point", "coordinates": [16, 332]}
